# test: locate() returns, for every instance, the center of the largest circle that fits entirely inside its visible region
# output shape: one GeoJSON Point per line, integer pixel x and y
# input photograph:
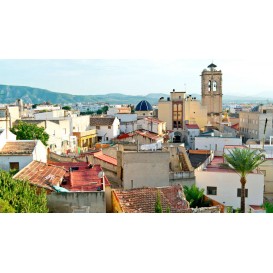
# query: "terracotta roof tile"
{"type": "Point", "coordinates": [106, 158]}
{"type": "Point", "coordinates": [126, 135]}
{"type": "Point", "coordinates": [18, 147]}
{"type": "Point", "coordinates": [235, 126]}
{"type": "Point", "coordinates": [39, 173]}
{"type": "Point", "coordinates": [144, 199]}
{"type": "Point", "coordinates": [147, 134]}
{"type": "Point", "coordinates": [101, 121]}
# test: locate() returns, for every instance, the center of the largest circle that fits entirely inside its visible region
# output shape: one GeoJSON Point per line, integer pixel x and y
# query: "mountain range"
{"type": "Point", "coordinates": [9, 93]}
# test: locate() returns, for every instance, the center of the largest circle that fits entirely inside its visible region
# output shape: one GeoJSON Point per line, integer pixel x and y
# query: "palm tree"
{"type": "Point", "coordinates": [195, 197]}
{"type": "Point", "coordinates": [243, 162]}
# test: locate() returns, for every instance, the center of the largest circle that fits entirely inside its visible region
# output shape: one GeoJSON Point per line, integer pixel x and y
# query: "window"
{"type": "Point", "coordinates": [14, 165]}
{"type": "Point", "coordinates": [209, 86]}
{"type": "Point", "coordinates": [214, 87]}
{"type": "Point", "coordinates": [211, 190]}
{"type": "Point", "coordinates": [239, 192]}
{"type": "Point", "coordinates": [98, 127]}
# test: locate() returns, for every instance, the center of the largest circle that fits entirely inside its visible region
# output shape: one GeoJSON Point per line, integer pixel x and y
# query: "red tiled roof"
{"type": "Point", "coordinates": [106, 158]}
{"type": "Point", "coordinates": [67, 165]}
{"type": "Point", "coordinates": [86, 180]}
{"type": "Point", "coordinates": [122, 136]}
{"type": "Point", "coordinates": [19, 147]}
{"type": "Point", "coordinates": [101, 121]}
{"type": "Point", "coordinates": [235, 126]}
{"type": "Point", "coordinates": [255, 207]}
{"type": "Point", "coordinates": [192, 126]}
{"type": "Point", "coordinates": [147, 134]}
{"type": "Point", "coordinates": [38, 173]}
{"type": "Point", "coordinates": [144, 199]}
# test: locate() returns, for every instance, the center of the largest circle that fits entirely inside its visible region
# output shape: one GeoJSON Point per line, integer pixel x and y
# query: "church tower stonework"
{"type": "Point", "coordinates": [211, 81]}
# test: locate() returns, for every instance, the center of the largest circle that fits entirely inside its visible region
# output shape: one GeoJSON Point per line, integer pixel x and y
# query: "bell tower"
{"type": "Point", "coordinates": [211, 81]}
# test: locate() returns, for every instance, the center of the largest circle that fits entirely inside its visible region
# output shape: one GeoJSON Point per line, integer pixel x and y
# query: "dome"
{"type": "Point", "coordinates": [144, 106]}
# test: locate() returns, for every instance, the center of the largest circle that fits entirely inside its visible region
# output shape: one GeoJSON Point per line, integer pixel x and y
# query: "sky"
{"type": "Point", "coordinates": [136, 76]}
{"type": "Point", "coordinates": [136, 49]}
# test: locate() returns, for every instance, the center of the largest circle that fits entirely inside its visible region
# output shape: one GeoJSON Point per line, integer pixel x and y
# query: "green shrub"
{"type": "Point", "coordinates": [5, 207]}
{"type": "Point", "coordinates": [22, 196]}
{"type": "Point", "coordinates": [268, 207]}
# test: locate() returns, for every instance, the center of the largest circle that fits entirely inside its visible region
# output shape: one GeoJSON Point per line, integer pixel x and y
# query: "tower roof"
{"type": "Point", "coordinates": [212, 65]}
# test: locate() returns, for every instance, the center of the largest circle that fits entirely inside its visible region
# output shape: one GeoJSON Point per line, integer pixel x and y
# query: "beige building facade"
{"type": "Point", "coordinates": [252, 125]}
{"type": "Point", "coordinates": [211, 82]}
{"type": "Point", "coordinates": [180, 109]}
{"type": "Point", "coordinates": [143, 169]}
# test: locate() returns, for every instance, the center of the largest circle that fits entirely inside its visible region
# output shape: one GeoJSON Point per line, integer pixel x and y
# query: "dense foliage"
{"type": "Point", "coordinates": [243, 162]}
{"type": "Point", "coordinates": [68, 108]}
{"type": "Point", "coordinates": [5, 207]}
{"type": "Point", "coordinates": [268, 207]}
{"type": "Point", "coordinates": [195, 197]}
{"type": "Point", "coordinates": [22, 196]}
{"type": "Point", "coordinates": [29, 131]}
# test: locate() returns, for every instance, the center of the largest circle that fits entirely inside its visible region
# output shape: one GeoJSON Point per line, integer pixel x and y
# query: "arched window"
{"type": "Point", "coordinates": [214, 87]}
{"type": "Point", "coordinates": [209, 86]}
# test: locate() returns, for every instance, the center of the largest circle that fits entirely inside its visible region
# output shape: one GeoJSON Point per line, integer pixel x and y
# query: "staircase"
{"type": "Point", "coordinates": [185, 161]}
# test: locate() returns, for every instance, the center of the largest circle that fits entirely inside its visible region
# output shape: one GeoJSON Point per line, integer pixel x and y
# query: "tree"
{"type": "Point", "coordinates": [29, 131]}
{"type": "Point", "coordinates": [99, 112]}
{"type": "Point", "coordinates": [243, 162]}
{"type": "Point", "coordinates": [68, 108]}
{"type": "Point", "coordinates": [104, 109]}
{"type": "Point", "coordinates": [22, 196]}
{"type": "Point", "coordinates": [195, 197]}
{"type": "Point", "coordinates": [5, 207]}
{"type": "Point", "coordinates": [158, 206]}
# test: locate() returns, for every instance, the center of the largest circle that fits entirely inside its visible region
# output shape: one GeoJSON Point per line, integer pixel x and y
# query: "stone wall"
{"type": "Point", "coordinates": [77, 202]}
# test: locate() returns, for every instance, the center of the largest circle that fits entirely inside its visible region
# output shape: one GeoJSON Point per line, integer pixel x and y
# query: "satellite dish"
{"type": "Point", "coordinates": [101, 174]}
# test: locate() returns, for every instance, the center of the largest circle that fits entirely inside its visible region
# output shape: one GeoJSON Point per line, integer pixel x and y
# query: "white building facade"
{"type": "Point", "coordinates": [18, 154]}
{"type": "Point", "coordinates": [224, 187]}
{"type": "Point", "coordinates": [216, 144]}
{"type": "Point", "coordinates": [107, 128]}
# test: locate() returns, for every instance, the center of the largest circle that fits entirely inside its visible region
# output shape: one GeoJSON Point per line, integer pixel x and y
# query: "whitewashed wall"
{"type": "Point", "coordinates": [227, 184]}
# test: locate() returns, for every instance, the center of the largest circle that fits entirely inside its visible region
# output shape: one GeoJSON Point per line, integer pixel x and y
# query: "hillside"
{"type": "Point", "coordinates": [9, 93]}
